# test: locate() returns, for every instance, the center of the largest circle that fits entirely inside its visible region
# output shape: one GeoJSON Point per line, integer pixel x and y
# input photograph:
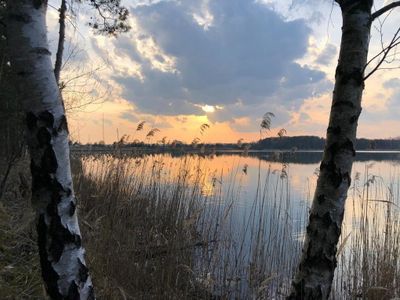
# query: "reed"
{"type": "Point", "coordinates": [162, 228]}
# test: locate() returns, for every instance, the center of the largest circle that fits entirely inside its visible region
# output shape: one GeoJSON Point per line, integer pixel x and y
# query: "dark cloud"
{"type": "Point", "coordinates": [124, 45]}
{"type": "Point", "coordinates": [392, 104]}
{"type": "Point", "coordinates": [327, 55]}
{"type": "Point", "coordinates": [393, 83]}
{"type": "Point", "coordinates": [129, 116]}
{"type": "Point", "coordinates": [247, 53]}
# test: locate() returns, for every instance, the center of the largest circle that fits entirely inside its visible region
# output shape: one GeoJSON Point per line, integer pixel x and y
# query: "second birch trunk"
{"type": "Point", "coordinates": [314, 276]}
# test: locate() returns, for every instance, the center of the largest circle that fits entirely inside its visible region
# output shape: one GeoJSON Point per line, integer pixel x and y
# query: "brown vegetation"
{"type": "Point", "coordinates": [153, 236]}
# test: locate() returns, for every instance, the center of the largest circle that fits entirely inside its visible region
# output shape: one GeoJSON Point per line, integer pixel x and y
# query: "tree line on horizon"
{"type": "Point", "coordinates": [292, 143]}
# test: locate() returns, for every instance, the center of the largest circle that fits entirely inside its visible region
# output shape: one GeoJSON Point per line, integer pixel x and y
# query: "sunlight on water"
{"type": "Point", "coordinates": [260, 206]}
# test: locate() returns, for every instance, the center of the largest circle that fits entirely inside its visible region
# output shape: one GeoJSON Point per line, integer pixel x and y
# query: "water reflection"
{"type": "Point", "coordinates": [268, 196]}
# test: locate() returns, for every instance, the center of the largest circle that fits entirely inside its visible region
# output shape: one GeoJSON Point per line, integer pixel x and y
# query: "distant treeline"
{"type": "Point", "coordinates": [293, 143]}
{"type": "Point", "coordinates": [317, 143]}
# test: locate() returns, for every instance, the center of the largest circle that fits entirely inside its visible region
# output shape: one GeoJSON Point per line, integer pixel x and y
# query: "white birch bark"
{"type": "Point", "coordinates": [314, 277]}
{"type": "Point", "coordinates": [59, 239]}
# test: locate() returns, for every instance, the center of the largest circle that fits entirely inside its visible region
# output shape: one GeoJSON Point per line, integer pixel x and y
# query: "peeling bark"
{"type": "Point", "coordinates": [315, 273]}
{"type": "Point", "coordinates": [59, 239]}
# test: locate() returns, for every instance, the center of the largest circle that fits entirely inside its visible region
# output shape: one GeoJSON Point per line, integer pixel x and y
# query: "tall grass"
{"type": "Point", "coordinates": [369, 265]}
{"type": "Point", "coordinates": [20, 276]}
{"type": "Point", "coordinates": [140, 227]}
{"type": "Point", "coordinates": [162, 228]}
{"type": "Point", "coordinates": [153, 229]}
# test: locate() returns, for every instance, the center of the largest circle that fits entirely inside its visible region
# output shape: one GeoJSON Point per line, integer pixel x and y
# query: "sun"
{"type": "Point", "coordinates": [208, 108]}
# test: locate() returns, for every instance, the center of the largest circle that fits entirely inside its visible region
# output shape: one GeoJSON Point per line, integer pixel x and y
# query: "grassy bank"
{"type": "Point", "coordinates": [19, 261]}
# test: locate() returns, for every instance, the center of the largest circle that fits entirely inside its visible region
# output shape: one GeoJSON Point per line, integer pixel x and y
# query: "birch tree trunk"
{"type": "Point", "coordinates": [314, 276]}
{"type": "Point", "coordinates": [59, 239]}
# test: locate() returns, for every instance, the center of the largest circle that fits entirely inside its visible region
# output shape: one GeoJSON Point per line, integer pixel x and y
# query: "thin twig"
{"type": "Point", "coordinates": [393, 43]}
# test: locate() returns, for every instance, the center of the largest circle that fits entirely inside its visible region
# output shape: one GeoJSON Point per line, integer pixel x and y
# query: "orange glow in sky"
{"type": "Point", "coordinates": [207, 71]}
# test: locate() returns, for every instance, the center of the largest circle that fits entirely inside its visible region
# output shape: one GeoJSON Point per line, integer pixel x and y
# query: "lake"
{"type": "Point", "coordinates": [256, 207]}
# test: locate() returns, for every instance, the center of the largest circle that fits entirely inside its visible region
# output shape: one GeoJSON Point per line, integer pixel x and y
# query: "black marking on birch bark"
{"type": "Point", "coordinates": [356, 75]}
{"type": "Point", "coordinates": [83, 272]}
{"type": "Point", "coordinates": [40, 51]}
{"type": "Point", "coordinates": [348, 145]}
{"type": "Point", "coordinates": [355, 117]}
{"type": "Point", "coordinates": [72, 208]}
{"type": "Point", "coordinates": [24, 74]}
{"type": "Point", "coordinates": [23, 18]}
{"type": "Point", "coordinates": [40, 179]}
{"type": "Point", "coordinates": [343, 103]}
{"type": "Point", "coordinates": [50, 276]}
{"type": "Point", "coordinates": [336, 130]}
{"type": "Point", "coordinates": [43, 137]}
{"type": "Point", "coordinates": [38, 3]}
{"type": "Point", "coordinates": [324, 228]}
{"type": "Point", "coordinates": [61, 236]}
{"type": "Point", "coordinates": [299, 287]}
{"type": "Point", "coordinates": [337, 147]}
{"type": "Point", "coordinates": [91, 294]}
{"type": "Point", "coordinates": [49, 161]}
{"type": "Point", "coordinates": [52, 208]}
{"type": "Point", "coordinates": [327, 219]}
{"type": "Point", "coordinates": [56, 190]}
{"type": "Point", "coordinates": [73, 292]}
{"type": "Point", "coordinates": [63, 124]}
{"type": "Point", "coordinates": [31, 121]}
{"type": "Point", "coordinates": [329, 166]}
{"type": "Point", "coordinates": [334, 174]}
{"type": "Point", "coordinates": [347, 177]}
{"type": "Point", "coordinates": [47, 118]}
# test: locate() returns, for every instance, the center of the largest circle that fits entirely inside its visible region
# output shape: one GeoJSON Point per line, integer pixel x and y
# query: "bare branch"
{"type": "Point", "coordinates": [385, 51]}
{"type": "Point", "coordinates": [384, 9]}
{"type": "Point", "coordinates": [61, 40]}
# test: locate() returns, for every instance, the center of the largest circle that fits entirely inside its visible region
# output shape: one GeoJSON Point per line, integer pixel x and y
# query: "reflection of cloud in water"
{"type": "Point", "coordinates": [272, 207]}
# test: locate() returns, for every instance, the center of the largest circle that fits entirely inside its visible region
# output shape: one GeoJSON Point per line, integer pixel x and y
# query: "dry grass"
{"type": "Point", "coordinates": [156, 231]}
{"type": "Point", "coordinates": [369, 265]}
{"type": "Point", "coordinates": [19, 264]}
{"type": "Point", "coordinates": [140, 234]}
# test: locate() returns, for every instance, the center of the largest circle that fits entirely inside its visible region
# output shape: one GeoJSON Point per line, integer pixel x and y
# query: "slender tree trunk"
{"type": "Point", "coordinates": [314, 276]}
{"type": "Point", "coordinates": [59, 239]}
{"type": "Point", "coordinates": [61, 40]}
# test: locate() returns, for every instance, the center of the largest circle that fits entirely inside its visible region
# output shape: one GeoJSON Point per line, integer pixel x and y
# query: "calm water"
{"type": "Point", "coordinates": [287, 176]}
{"type": "Point", "coordinates": [268, 196]}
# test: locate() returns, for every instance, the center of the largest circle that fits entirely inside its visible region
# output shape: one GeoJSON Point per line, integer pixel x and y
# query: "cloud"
{"type": "Point", "coordinates": [247, 53]}
{"type": "Point", "coordinates": [326, 55]}
{"type": "Point", "coordinates": [383, 106]}
{"type": "Point", "coordinates": [393, 83]}
{"type": "Point", "coordinates": [129, 116]}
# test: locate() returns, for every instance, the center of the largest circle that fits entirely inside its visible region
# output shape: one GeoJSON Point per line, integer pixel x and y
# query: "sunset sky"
{"type": "Point", "coordinates": [222, 62]}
